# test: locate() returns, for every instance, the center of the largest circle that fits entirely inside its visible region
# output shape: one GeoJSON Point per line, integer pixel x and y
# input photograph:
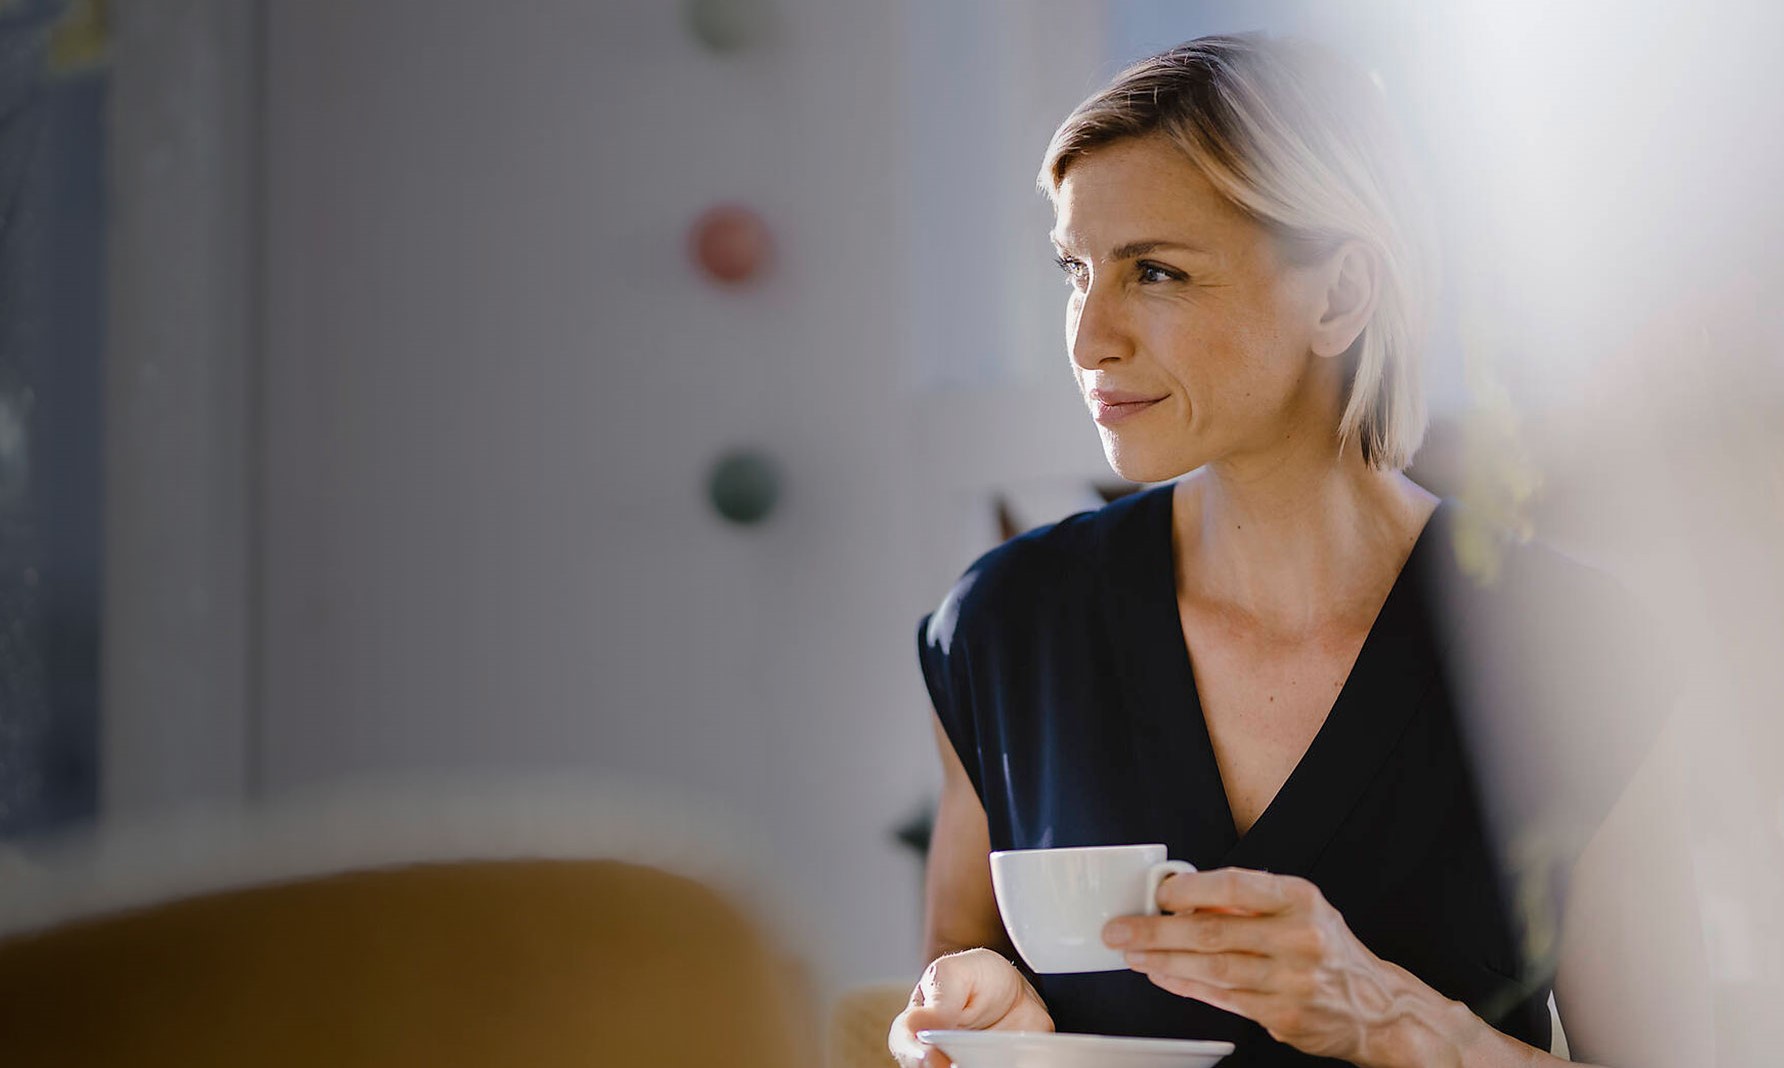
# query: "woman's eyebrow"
{"type": "Point", "coordinates": [1138, 248]}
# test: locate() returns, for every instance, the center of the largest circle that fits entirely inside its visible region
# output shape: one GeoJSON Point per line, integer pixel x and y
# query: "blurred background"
{"type": "Point", "coordinates": [605, 388]}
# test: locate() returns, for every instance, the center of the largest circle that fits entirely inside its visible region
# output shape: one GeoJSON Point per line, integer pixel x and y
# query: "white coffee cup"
{"type": "Point", "coordinates": [1055, 901]}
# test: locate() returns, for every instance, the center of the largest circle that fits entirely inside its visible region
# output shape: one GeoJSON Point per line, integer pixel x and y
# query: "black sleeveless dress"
{"type": "Point", "coordinates": [1439, 808]}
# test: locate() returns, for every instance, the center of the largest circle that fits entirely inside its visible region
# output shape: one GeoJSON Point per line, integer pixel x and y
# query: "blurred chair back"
{"type": "Point", "coordinates": [538, 963]}
{"type": "Point", "coordinates": [859, 1022]}
{"type": "Point", "coordinates": [542, 921]}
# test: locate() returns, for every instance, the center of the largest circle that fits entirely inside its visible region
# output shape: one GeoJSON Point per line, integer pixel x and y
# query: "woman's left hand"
{"type": "Point", "coordinates": [1271, 948]}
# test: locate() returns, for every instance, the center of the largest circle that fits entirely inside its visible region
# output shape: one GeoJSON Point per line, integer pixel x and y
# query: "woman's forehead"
{"type": "Point", "coordinates": [1138, 192]}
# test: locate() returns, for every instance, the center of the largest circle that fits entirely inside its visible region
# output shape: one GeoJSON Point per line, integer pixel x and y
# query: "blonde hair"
{"type": "Point", "coordinates": [1304, 144]}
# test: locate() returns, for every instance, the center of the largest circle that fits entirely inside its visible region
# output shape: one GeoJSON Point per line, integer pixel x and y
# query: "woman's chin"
{"type": "Point", "coordinates": [1142, 465]}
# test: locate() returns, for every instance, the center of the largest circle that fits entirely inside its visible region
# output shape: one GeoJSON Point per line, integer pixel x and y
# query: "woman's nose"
{"type": "Point", "coordinates": [1095, 331]}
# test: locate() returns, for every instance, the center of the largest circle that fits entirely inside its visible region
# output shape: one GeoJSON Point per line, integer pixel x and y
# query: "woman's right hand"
{"type": "Point", "coordinates": [974, 990]}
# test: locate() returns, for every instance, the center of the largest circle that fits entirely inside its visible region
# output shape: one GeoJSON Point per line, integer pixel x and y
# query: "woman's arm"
{"type": "Point", "coordinates": [967, 984]}
{"type": "Point", "coordinates": [960, 910]}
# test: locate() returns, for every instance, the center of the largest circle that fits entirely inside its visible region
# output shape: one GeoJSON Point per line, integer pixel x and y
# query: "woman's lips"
{"type": "Point", "coordinates": [1109, 410]}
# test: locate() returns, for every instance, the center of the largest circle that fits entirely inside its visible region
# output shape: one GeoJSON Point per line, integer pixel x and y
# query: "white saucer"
{"type": "Point", "coordinates": [1043, 1049]}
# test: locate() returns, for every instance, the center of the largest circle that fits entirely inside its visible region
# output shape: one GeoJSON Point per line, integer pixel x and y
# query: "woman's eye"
{"type": "Point", "coordinates": [1152, 273]}
{"type": "Point", "coordinates": [1074, 269]}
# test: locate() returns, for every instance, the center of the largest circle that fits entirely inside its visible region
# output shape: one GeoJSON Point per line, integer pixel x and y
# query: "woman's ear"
{"type": "Point", "coordinates": [1352, 277]}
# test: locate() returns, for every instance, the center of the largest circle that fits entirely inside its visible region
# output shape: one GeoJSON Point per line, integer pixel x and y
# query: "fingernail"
{"type": "Point", "coordinates": [1117, 934]}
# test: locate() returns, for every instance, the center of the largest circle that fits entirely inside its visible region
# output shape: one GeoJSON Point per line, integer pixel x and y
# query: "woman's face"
{"type": "Point", "coordinates": [1192, 337]}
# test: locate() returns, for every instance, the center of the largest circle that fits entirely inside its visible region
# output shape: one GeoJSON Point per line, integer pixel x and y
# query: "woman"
{"type": "Point", "coordinates": [1249, 663]}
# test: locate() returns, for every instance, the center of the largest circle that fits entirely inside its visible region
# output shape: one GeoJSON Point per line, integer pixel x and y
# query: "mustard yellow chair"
{"type": "Point", "coordinates": [527, 962]}
{"type": "Point", "coordinates": [859, 1022]}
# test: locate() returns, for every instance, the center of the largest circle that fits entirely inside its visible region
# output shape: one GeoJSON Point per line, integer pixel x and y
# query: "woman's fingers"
{"type": "Point", "coordinates": [1237, 932]}
{"type": "Point", "coordinates": [1238, 890]}
{"type": "Point", "coordinates": [1200, 932]}
{"type": "Point", "coordinates": [1228, 971]}
{"type": "Point", "coordinates": [973, 990]}
{"type": "Point", "coordinates": [1247, 1003]}
{"type": "Point", "coordinates": [926, 1018]}
{"type": "Point", "coordinates": [932, 1057]}
{"type": "Point", "coordinates": [1276, 952]}
{"type": "Point", "coordinates": [902, 1041]}
{"type": "Point", "coordinates": [907, 1049]}
{"type": "Point", "coordinates": [938, 1001]}
{"type": "Point", "coordinates": [1232, 910]}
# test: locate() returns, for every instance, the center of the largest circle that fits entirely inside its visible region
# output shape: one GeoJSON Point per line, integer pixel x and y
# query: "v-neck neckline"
{"type": "Point", "coordinates": [1371, 709]}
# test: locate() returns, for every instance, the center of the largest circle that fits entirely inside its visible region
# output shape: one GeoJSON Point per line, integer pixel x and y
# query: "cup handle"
{"type": "Point", "coordinates": [1157, 874]}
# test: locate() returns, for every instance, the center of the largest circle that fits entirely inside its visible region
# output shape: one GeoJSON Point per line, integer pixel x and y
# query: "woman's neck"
{"type": "Point", "coordinates": [1292, 547]}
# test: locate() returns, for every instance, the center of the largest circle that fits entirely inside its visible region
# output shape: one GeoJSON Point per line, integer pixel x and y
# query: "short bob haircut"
{"type": "Point", "coordinates": [1305, 144]}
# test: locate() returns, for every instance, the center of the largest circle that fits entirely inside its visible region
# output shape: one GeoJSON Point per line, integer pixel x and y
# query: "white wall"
{"type": "Point", "coordinates": [179, 445]}
{"type": "Point", "coordinates": [493, 386]}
